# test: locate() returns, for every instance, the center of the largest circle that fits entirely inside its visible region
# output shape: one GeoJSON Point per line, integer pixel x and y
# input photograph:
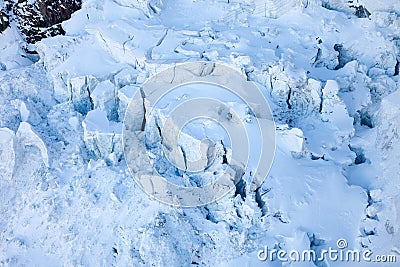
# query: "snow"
{"type": "Point", "coordinates": [23, 110]}
{"type": "Point", "coordinates": [12, 55]}
{"type": "Point", "coordinates": [27, 137]}
{"type": "Point", "coordinates": [7, 153]}
{"type": "Point", "coordinates": [68, 198]}
{"type": "Point", "coordinates": [100, 135]}
{"type": "Point", "coordinates": [103, 98]}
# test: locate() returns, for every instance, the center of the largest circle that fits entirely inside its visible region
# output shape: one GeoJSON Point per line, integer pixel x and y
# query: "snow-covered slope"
{"type": "Point", "coordinates": [330, 76]}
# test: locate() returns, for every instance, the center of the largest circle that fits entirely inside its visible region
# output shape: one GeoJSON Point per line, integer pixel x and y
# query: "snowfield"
{"type": "Point", "coordinates": [329, 71]}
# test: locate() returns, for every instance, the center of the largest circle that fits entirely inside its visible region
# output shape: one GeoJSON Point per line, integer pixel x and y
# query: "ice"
{"type": "Point", "coordinates": [330, 77]}
{"type": "Point", "coordinates": [103, 98]}
{"type": "Point", "coordinates": [334, 110]}
{"type": "Point", "coordinates": [80, 89]}
{"type": "Point", "coordinates": [275, 9]}
{"type": "Point", "coordinates": [74, 122]}
{"type": "Point", "coordinates": [292, 139]}
{"type": "Point", "coordinates": [25, 136]}
{"type": "Point", "coordinates": [125, 94]}
{"type": "Point", "coordinates": [101, 136]}
{"type": "Point", "coordinates": [7, 153]}
{"type": "Point", "coordinates": [12, 55]}
{"type": "Point", "coordinates": [126, 76]}
{"type": "Point", "coordinates": [23, 110]}
{"type": "Point", "coordinates": [388, 145]}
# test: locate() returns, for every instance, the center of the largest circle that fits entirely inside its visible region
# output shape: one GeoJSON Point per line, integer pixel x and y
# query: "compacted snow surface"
{"type": "Point", "coordinates": [330, 77]}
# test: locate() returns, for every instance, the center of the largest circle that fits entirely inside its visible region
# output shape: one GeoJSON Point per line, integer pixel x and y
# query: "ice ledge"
{"type": "Point", "coordinates": [101, 136]}
{"type": "Point", "coordinates": [14, 144]}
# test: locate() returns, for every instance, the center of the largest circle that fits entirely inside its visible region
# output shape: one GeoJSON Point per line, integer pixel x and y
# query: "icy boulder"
{"type": "Point", "coordinates": [280, 89]}
{"type": "Point", "coordinates": [296, 95]}
{"type": "Point", "coordinates": [12, 55]}
{"type": "Point", "coordinates": [285, 78]}
{"type": "Point", "coordinates": [187, 153]}
{"type": "Point", "coordinates": [103, 98]}
{"type": "Point", "coordinates": [7, 153]}
{"type": "Point", "coordinates": [4, 20]}
{"type": "Point", "coordinates": [27, 137]}
{"type": "Point", "coordinates": [328, 133]}
{"type": "Point", "coordinates": [80, 89]}
{"type": "Point", "coordinates": [334, 110]}
{"type": "Point", "coordinates": [50, 53]}
{"type": "Point", "coordinates": [291, 140]}
{"type": "Point", "coordinates": [101, 136]}
{"type": "Point", "coordinates": [125, 95]}
{"type": "Point", "coordinates": [126, 76]}
{"type": "Point", "coordinates": [23, 110]}
{"type": "Point", "coordinates": [305, 99]}
{"type": "Point", "coordinates": [326, 57]}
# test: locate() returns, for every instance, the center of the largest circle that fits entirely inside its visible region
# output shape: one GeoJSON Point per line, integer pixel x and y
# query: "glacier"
{"type": "Point", "coordinates": [329, 70]}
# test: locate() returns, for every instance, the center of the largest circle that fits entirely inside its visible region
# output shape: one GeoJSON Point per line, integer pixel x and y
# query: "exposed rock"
{"type": "Point", "coordinates": [103, 98]}
{"type": "Point", "coordinates": [361, 11]}
{"type": "Point", "coordinates": [42, 18]}
{"type": "Point", "coordinates": [4, 21]}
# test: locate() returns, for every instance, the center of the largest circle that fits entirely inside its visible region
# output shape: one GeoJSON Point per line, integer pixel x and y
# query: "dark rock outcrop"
{"type": "Point", "coordinates": [40, 18]}
{"type": "Point", "coordinates": [4, 21]}
{"type": "Point", "coordinates": [361, 11]}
